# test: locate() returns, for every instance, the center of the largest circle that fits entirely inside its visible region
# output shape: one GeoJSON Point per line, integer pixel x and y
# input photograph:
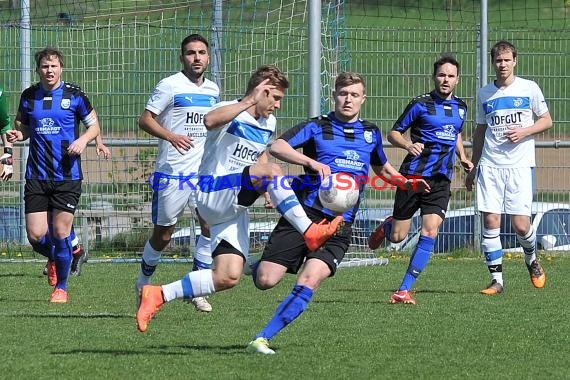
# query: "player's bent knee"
{"type": "Point", "coordinates": [263, 282]}
{"type": "Point", "coordinates": [33, 239]}
{"type": "Point", "coordinates": [226, 282]}
{"type": "Point", "coordinates": [396, 238]}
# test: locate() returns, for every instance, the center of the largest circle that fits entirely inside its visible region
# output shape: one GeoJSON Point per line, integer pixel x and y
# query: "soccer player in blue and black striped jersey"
{"type": "Point", "coordinates": [435, 121]}
{"type": "Point", "coordinates": [49, 114]}
{"type": "Point", "coordinates": [339, 142]}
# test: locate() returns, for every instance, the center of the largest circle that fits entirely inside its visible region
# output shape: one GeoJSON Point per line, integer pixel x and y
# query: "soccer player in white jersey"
{"type": "Point", "coordinates": [234, 172]}
{"type": "Point", "coordinates": [510, 111]}
{"type": "Point", "coordinates": [175, 114]}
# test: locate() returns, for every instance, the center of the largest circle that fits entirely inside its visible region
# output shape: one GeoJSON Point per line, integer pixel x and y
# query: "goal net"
{"type": "Point", "coordinates": [117, 50]}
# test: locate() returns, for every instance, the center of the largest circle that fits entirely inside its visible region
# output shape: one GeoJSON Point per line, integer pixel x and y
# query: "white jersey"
{"type": "Point", "coordinates": [501, 109]}
{"type": "Point", "coordinates": [180, 106]}
{"type": "Point", "coordinates": [228, 150]}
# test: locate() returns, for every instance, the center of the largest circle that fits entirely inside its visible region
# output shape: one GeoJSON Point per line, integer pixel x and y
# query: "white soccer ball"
{"type": "Point", "coordinates": [339, 192]}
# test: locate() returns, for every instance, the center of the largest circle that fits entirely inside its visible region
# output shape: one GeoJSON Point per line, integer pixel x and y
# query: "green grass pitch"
{"type": "Point", "coordinates": [348, 332]}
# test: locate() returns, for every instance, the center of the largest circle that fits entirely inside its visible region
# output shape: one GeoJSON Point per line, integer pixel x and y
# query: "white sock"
{"type": "Point", "coordinates": [194, 284]}
{"type": "Point", "coordinates": [497, 276]}
{"type": "Point", "coordinates": [151, 257]}
{"type": "Point", "coordinates": [288, 205]}
{"type": "Point", "coordinates": [528, 243]}
{"type": "Point", "coordinates": [493, 251]}
{"type": "Point", "coordinates": [203, 252]}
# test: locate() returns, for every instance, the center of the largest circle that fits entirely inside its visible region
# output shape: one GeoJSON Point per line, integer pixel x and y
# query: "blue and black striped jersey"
{"type": "Point", "coordinates": [436, 123]}
{"type": "Point", "coordinates": [53, 118]}
{"type": "Point", "coordinates": [344, 147]}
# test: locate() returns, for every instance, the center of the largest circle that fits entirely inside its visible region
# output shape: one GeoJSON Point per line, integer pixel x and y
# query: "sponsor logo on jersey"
{"type": "Point", "coordinates": [351, 160]}
{"type": "Point", "coordinates": [47, 127]}
{"type": "Point", "coordinates": [448, 132]}
{"type": "Point", "coordinates": [244, 153]}
{"type": "Point", "coordinates": [509, 119]}
{"type": "Point", "coordinates": [194, 118]}
{"type": "Point", "coordinates": [351, 154]}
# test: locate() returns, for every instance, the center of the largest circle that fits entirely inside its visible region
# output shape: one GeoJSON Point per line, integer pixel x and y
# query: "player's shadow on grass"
{"type": "Point", "coordinates": [391, 290]}
{"type": "Point", "coordinates": [212, 348]}
{"type": "Point", "coordinates": [55, 314]}
{"type": "Point", "coordinates": [380, 296]}
{"type": "Point", "coordinates": [2, 275]}
{"type": "Point", "coordinates": [172, 350]}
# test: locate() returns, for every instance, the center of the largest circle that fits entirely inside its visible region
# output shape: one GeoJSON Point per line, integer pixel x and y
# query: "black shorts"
{"type": "Point", "coordinates": [286, 246]}
{"type": "Point", "coordinates": [407, 202]}
{"type": "Point", "coordinates": [40, 196]}
{"type": "Point", "coordinates": [247, 194]}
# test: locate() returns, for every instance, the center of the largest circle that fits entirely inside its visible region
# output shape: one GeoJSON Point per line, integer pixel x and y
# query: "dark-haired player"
{"type": "Point", "coordinates": [435, 121]}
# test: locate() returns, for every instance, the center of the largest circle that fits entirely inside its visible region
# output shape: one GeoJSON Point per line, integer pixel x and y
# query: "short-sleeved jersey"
{"type": "Point", "coordinates": [436, 123]}
{"type": "Point", "coordinates": [345, 147]}
{"type": "Point", "coordinates": [229, 149]}
{"type": "Point", "coordinates": [501, 109]}
{"type": "Point", "coordinates": [180, 106]}
{"type": "Point", "coordinates": [4, 117]}
{"type": "Point", "coordinates": [53, 118]}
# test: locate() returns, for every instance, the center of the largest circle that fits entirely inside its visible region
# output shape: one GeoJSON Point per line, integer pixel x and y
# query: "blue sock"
{"type": "Point", "coordinates": [418, 261]}
{"type": "Point", "coordinates": [289, 309]}
{"type": "Point", "coordinates": [44, 246]}
{"type": "Point", "coordinates": [63, 254]}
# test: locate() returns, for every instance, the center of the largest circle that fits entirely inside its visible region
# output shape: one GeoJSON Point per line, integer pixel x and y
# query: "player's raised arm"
{"type": "Point", "coordinates": [282, 150]}
{"type": "Point", "coordinates": [220, 116]}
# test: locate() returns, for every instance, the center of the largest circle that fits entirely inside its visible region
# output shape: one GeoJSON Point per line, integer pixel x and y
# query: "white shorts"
{"type": "Point", "coordinates": [228, 220]}
{"type": "Point", "coordinates": [169, 199]}
{"type": "Point", "coordinates": [234, 231]}
{"type": "Point", "coordinates": [505, 190]}
{"type": "Point", "coordinates": [219, 206]}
